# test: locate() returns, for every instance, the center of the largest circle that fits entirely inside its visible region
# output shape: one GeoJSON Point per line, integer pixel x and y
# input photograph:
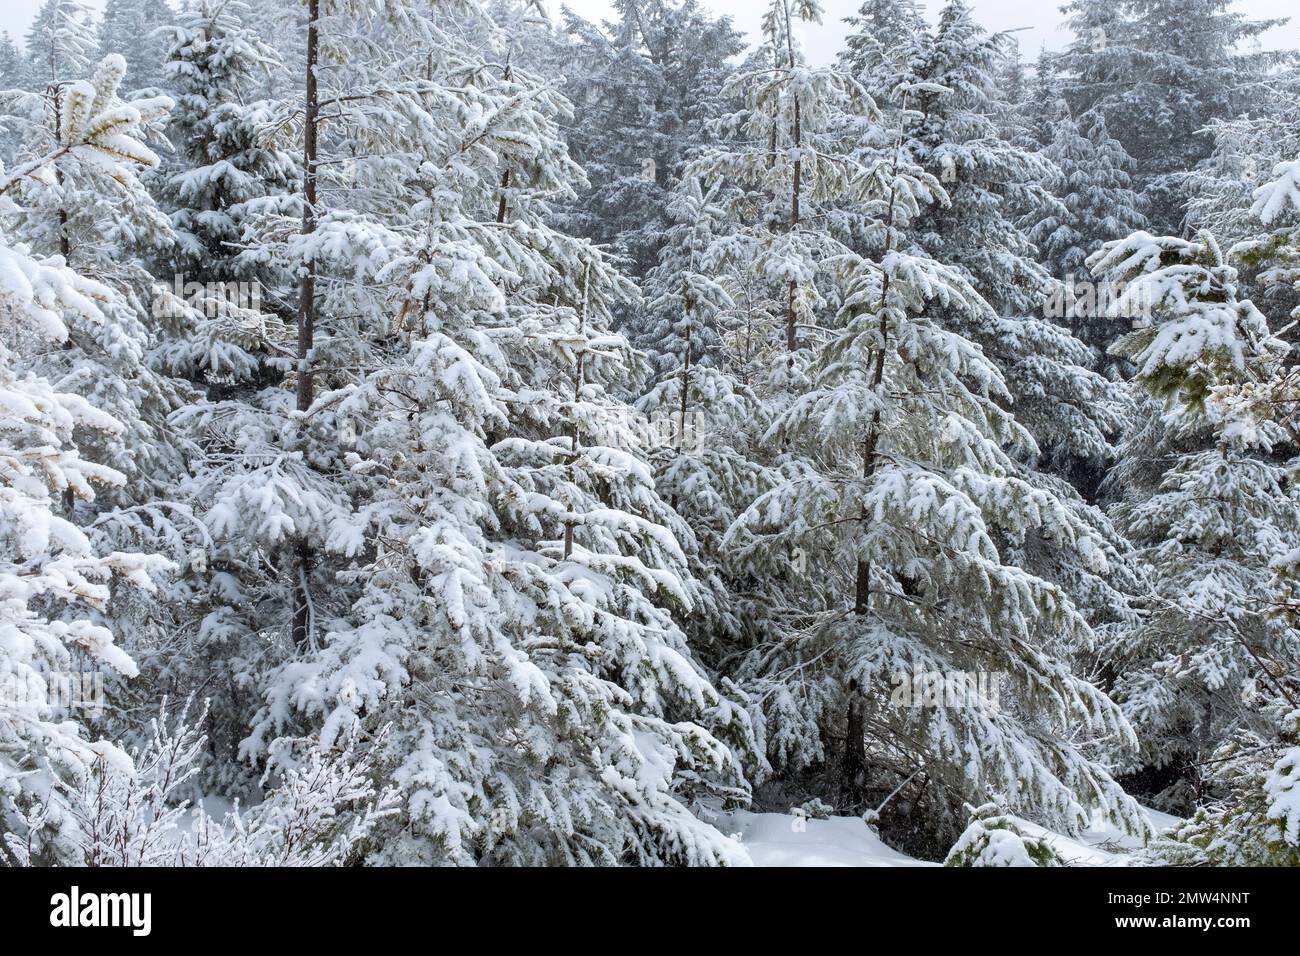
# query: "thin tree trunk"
{"type": "Point", "coordinates": [65, 244]}
{"type": "Point", "coordinates": [854, 763]}
{"type": "Point", "coordinates": [862, 587]}
{"type": "Point", "coordinates": [686, 386]}
{"type": "Point", "coordinates": [577, 396]}
{"type": "Point", "coordinates": [791, 342]}
{"type": "Point", "coordinates": [302, 612]}
{"type": "Point", "coordinates": [502, 205]}
{"type": "Point", "coordinates": [776, 117]}
{"type": "Point", "coordinates": [855, 747]}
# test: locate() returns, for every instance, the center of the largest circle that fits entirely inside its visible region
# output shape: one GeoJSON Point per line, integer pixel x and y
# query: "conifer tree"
{"type": "Point", "coordinates": [227, 307]}
{"type": "Point", "coordinates": [1209, 517]}
{"type": "Point", "coordinates": [947, 123]}
{"type": "Point", "coordinates": [60, 43]}
{"type": "Point", "coordinates": [644, 86]}
{"type": "Point", "coordinates": [55, 580]}
{"type": "Point", "coordinates": [493, 572]}
{"type": "Point", "coordinates": [786, 151]}
{"type": "Point", "coordinates": [896, 448]}
{"type": "Point", "coordinates": [1253, 816]}
{"type": "Point", "coordinates": [13, 73]}
{"type": "Point", "coordinates": [107, 227]}
{"type": "Point", "coordinates": [704, 420]}
{"type": "Point", "coordinates": [1093, 186]}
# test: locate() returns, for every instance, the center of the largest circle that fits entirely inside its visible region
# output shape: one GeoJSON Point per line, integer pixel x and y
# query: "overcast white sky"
{"type": "Point", "coordinates": [1039, 20]}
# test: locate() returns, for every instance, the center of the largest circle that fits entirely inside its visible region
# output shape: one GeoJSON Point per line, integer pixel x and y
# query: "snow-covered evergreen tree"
{"type": "Point", "coordinates": [1093, 183]}
{"type": "Point", "coordinates": [705, 421]}
{"type": "Point", "coordinates": [13, 69]}
{"type": "Point", "coordinates": [947, 99]}
{"type": "Point", "coordinates": [60, 43]}
{"type": "Point", "coordinates": [996, 838]}
{"type": "Point", "coordinates": [787, 152]}
{"type": "Point", "coordinates": [1208, 514]}
{"type": "Point", "coordinates": [1252, 814]}
{"type": "Point", "coordinates": [883, 39]}
{"type": "Point", "coordinates": [107, 227]}
{"type": "Point", "coordinates": [1093, 187]}
{"type": "Point", "coordinates": [228, 161]}
{"type": "Point", "coordinates": [52, 579]}
{"type": "Point", "coordinates": [1041, 108]}
{"type": "Point", "coordinates": [228, 310]}
{"type": "Point", "coordinates": [1246, 148]}
{"type": "Point", "coordinates": [13, 79]}
{"type": "Point", "coordinates": [644, 86]}
{"type": "Point", "coordinates": [492, 572]}
{"type": "Point", "coordinates": [949, 130]}
{"type": "Point", "coordinates": [897, 448]}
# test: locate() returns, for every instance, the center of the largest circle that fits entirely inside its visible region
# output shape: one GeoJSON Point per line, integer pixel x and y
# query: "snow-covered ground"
{"type": "Point", "coordinates": [781, 839]}
{"type": "Point", "coordinates": [1104, 847]}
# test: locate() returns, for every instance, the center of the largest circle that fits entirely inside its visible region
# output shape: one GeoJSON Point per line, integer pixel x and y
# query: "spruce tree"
{"type": "Point", "coordinates": [896, 450]}
{"type": "Point", "coordinates": [60, 43]}
{"type": "Point", "coordinates": [492, 572]}
{"type": "Point", "coordinates": [227, 307]}
{"type": "Point", "coordinates": [57, 583]}
{"type": "Point", "coordinates": [1208, 514]}
{"type": "Point", "coordinates": [1097, 204]}
{"type": "Point", "coordinates": [645, 86]}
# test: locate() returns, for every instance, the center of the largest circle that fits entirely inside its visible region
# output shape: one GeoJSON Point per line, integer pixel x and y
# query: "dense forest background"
{"type": "Point", "coordinates": [435, 432]}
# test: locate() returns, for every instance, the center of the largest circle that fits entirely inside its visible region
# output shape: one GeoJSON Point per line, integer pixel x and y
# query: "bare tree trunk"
{"type": "Point", "coordinates": [502, 205]}
{"type": "Point", "coordinates": [790, 339]}
{"type": "Point", "coordinates": [302, 611]}
{"type": "Point", "coordinates": [65, 243]}
{"type": "Point", "coordinates": [854, 766]}
{"type": "Point", "coordinates": [577, 396]}
{"type": "Point", "coordinates": [686, 387]}
{"type": "Point", "coordinates": [862, 586]}
{"type": "Point", "coordinates": [776, 117]}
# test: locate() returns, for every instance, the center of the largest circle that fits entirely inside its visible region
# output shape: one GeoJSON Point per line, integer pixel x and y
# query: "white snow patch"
{"type": "Point", "coordinates": [774, 839]}
{"type": "Point", "coordinates": [1108, 846]}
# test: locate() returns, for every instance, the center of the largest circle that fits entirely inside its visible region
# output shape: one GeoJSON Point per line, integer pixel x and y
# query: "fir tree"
{"type": "Point", "coordinates": [644, 87]}
{"type": "Point", "coordinates": [1093, 186]}
{"type": "Point", "coordinates": [60, 43]}
{"type": "Point", "coordinates": [107, 227]}
{"type": "Point", "coordinates": [230, 339]}
{"type": "Point", "coordinates": [897, 447]}
{"type": "Point", "coordinates": [491, 569]}
{"type": "Point", "coordinates": [54, 579]}
{"type": "Point", "coordinates": [1209, 516]}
